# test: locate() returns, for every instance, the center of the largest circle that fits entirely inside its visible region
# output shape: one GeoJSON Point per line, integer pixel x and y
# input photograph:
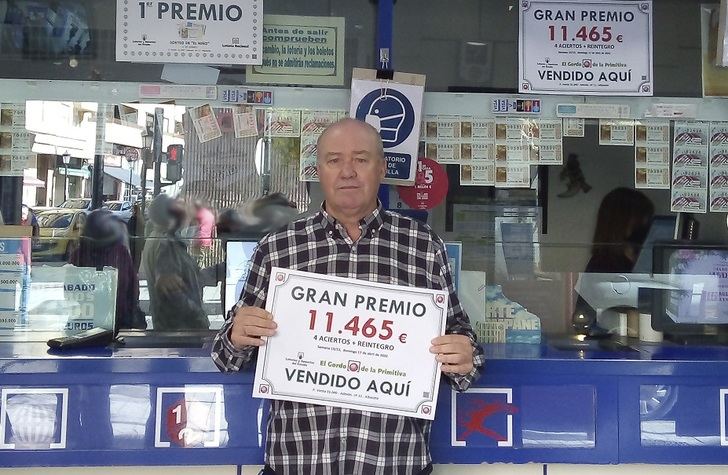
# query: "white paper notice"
{"type": "Point", "coordinates": [690, 167]}
{"type": "Point", "coordinates": [205, 122]}
{"type": "Point", "coordinates": [719, 167]}
{"type": "Point", "coordinates": [312, 124]}
{"type": "Point", "coordinates": [282, 123]}
{"type": "Point", "coordinates": [616, 132]}
{"type": "Point", "coordinates": [652, 154]}
{"type": "Point", "coordinates": [245, 123]}
{"type": "Point", "coordinates": [573, 127]}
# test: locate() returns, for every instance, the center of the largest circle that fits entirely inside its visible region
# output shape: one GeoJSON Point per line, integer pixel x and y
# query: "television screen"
{"type": "Point", "coordinates": [702, 301]}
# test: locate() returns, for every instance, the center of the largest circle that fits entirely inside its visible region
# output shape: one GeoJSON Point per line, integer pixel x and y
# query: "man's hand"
{"type": "Point", "coordinates": [455, 352]}
{"type": "Point", "coordinates": [168, 284]}
{"type": "Point", "coordinates": [249, 324]}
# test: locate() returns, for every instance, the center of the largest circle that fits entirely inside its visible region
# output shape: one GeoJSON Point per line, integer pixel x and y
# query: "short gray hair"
{"type": "Point", "coordinates": [379, 147]}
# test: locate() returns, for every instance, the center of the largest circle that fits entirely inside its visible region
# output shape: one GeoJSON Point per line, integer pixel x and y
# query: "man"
{"type": "Point", "coordinates": [173, 281]}
{"type": "Point", "coordinates": [352, 236]}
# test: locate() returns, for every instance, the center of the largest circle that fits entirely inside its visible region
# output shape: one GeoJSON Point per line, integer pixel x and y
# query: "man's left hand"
{"type": "Point", "coordinates": [455, 352]}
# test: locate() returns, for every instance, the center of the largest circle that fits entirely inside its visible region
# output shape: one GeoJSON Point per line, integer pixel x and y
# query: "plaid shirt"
{"type": "Point", "coordinates": [323, 440]}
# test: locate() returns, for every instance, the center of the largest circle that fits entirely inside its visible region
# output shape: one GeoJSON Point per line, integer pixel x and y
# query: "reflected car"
{"type": "Point", "coordinates": [77, 203]}
{"type": "Point", "coordinates": [60, 230]}
{"type": "Point", "coordinates": [120, 209]}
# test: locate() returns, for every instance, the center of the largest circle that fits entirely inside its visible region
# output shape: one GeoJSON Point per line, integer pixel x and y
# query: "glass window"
{"type": "Point", "coordinates": [37, 45]}
{"type": "Point", "coordinates": [172, 203]}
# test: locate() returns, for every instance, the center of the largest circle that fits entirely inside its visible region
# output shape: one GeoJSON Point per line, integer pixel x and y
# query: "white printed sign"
{"type": "Point", "coordinates": [351, 343]}
{"type": "Point", "coordinates": [601, 48]}
{"type": "Point", "coordinates": [160, 31]}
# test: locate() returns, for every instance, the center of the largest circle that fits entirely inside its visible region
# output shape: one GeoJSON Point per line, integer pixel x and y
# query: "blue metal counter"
{"type": "Point", "coordinates": [550, 403]}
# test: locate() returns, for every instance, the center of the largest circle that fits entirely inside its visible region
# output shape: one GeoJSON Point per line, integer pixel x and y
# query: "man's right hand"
{"type": "Point", "coordinates": [249, 324]}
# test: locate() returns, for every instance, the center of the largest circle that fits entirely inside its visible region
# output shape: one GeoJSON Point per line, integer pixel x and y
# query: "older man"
{"type": "Point", "coordinates": [352, 236]}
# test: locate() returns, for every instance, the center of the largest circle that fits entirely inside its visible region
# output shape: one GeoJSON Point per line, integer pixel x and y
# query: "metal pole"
{"type": "Point", "coordinates": [11, 197]}
{"type": "Point", "coordinates": [65, 183]}
{"type": "Point", "coordinates": [130, 171]}
{"type": "Point", "coordinates": [97, 183]}
{"type": "Point", "coordinates": [143, 178]}
{"type": "Point", "coordinates": [158, 122]}
{"type": "Point", "coordinates": [385, 20]}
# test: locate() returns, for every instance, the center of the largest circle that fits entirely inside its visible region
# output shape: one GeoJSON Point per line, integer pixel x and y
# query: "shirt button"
{"type": "Point", "coordinates": [331, 233]}
{"type": "Point", "coordinates": [353, 251]}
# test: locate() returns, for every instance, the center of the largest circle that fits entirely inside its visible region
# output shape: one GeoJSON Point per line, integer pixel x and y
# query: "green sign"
{"type": "Point", "coordinates": [301, 50]}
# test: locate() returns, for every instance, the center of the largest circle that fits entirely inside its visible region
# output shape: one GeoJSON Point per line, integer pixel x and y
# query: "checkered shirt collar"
{"type": "Point", "coordinates": [373, 220]}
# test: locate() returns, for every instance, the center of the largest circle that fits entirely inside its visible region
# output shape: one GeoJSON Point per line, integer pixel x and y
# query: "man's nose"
{"type": "Point", "coordinates": [347, 169]}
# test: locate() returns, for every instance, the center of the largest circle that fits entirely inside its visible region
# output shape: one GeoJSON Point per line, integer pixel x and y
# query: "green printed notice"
{"type": "Point", "coordinates": [301, 50]}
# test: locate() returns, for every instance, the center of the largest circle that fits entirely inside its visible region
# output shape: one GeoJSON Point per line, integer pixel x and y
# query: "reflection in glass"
{"type": "Point", "coordinates": [102, 244]}
{"type": "Point", "coordinates": [192, 416]}
{"type": "Point", "coordinates": [33, 419]}
{"type": "Point", "coordinates": [669, 416]}
{"type": "Point", "coordinates": [75, 204]}
{"type": "Point", "coordinates": [175, 293]}
{"type": "Point", "coordinates": [129, 407]}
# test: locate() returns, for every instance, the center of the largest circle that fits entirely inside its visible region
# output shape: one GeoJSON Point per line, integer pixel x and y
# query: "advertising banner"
{"type": "Point", "coordinates": [592, 47]}
{"type": "Point", "coordinates": [161, 31]}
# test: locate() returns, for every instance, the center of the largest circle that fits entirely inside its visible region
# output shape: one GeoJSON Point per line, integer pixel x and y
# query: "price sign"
{"type": "Point", "coordinates": [351, 343]}
{"type": "Point", "coordinates": [602, 48]}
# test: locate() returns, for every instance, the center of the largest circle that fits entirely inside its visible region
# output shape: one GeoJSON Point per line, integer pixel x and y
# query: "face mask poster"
{"type": "Point", "coordinates": [169, 31]}
{"type": "Point", "coordinates": [394, 108]}
{"type": "Point", "coordinates": [595, 47]}
{"type": "Point", "coordinates": [351, 343]}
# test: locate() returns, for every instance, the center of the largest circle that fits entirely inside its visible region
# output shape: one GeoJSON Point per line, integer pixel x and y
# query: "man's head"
{"type": "Point", "coordinates": [167, 213]}
{"type": "Point", "coordinates": [351, 167]}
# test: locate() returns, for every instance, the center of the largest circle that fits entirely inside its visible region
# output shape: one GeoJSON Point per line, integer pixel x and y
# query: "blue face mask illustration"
{"type": "Point", "coordinates": [386, 114]}
{"type": "Point", "coordinates": [390, 112]}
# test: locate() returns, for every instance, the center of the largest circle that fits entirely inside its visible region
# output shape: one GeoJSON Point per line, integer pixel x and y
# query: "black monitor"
{"type": "Point", "coordinates": [700, 307]}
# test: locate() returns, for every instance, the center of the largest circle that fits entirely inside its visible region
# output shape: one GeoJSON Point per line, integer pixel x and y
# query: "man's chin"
{"type": "Point", "coordinates": [349, 205]}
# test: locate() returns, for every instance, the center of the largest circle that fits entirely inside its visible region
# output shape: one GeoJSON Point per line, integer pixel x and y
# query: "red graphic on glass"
{"type": "Point", "coordinates": [474, 421]}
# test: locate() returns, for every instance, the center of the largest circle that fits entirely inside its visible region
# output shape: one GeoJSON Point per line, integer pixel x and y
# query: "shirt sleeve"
{"type": "Point", "coordinates": [458, 322]}
{"type": "Point", "coordinates": [224, 354]}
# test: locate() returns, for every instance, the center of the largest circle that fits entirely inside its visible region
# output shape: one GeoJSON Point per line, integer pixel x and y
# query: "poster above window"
{"type": "Point", "coordinates": [224, 32]}
{"type": "Point", "coordinates": [301, 50]}
{"type": "Point", "coordinates": [599, 48]}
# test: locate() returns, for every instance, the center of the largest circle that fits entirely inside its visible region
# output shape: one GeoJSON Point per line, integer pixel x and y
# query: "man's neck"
{"type": "Point", "coordinates": [350, 220]}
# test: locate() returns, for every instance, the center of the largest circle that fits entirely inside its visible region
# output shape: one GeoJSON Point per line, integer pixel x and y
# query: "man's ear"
{"type": "Point", "coordinates": [383, 169]}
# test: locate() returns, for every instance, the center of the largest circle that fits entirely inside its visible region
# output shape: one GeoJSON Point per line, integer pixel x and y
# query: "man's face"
{"type": "Point", "coordinates": [178, 213]}
{"type": "Point", "coordinates": [350, 168]}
